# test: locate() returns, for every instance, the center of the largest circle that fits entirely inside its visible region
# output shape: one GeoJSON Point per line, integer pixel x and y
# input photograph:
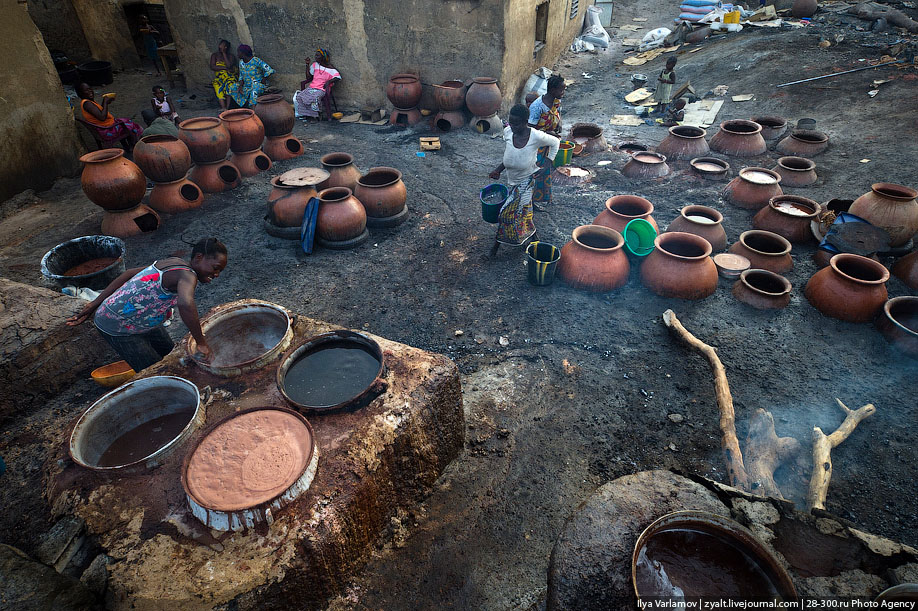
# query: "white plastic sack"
{"type": "Point", "coordinates": [597, 35]}
{"type": "Point", "coordinates": [659, 33]}
{"type": "Point", "coordinates": [592, 17]}
{"type": "Point", "coordinates": [579, 46]}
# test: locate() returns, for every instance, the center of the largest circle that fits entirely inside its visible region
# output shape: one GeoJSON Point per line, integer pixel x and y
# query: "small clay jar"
{"type": "Point", "coordinates": [590, 136]}
{"type": "Point", "coordinates": [753, 188]}
{"type": "Point", "coordinates": [684, 142]}
{"type": "Point", "coordinates": [250, 163]}
{"type": "Point", "coordinates": [483, 97]}
{"type": "Point", "coordinates": [680, 266]}
{"type": "Point", "coordinates": [450, 95]}
{"type": "Point", "coordinates": [341, 217]}
{"type": "Point", "coordinates": [341, 170]}
{"type": "Point", "coordinates": [383, 195]}
{"type": "Point", "coordinates": [594, 260]}
{"type": "Point", "coordinates": [206, 137]}
{"type": "Point", "coordinates": [620, 210]}
{"type": "Point", "coordinates": [404, 90]}
{"type": "Point", "coordinates": [851, 288]}
{"type": "Point", "coordinates": [803, 143]}
{"type": "Point", "coordinates": [646, 165]}
{"type": "Point", "coordinates": [126, 223]}
{"type": "Point", "coordinates": [246, 130]}
{"type": "Point", "coordinates": [906, 270]}
{"type": "Point", "coordinates": [111, 181]}
{"type": "Point", "coordinates": [891, 207]}
{"type": "Point", "coordinates": [702, 221]}
{"type": "Point", "coordinates": [898, 322]}
{"type": "Point", "coordinates": [162, 158]}
{"type": "Point", "coordinates": [796, 171]}
{"type": "Point", "coordinates": [788, 216]}
{"type": "Point", "coordinates": [176, 196]}
{"type": "Point", "coordinates": [215, 177]}
{"type": "Point", "coordinates": [772, 127]}
{"type": "Point", "coordinates": [762, 289]}
{"type": "Point", "coordinates": [281, 148]}
{"type": "Point", "coordinates": [276, 114]}
{"type": "Point", "coordinates": [765, 250]}
{"type": "Point", "coordinates": [287, 203]}
{"type": "Point", "coordinates": [739, 138]}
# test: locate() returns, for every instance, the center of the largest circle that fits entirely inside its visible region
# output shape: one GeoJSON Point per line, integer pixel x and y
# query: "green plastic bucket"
{"type": "Point", "coordinates": [542, 261]}
{"type": "Point", "coordinates": [565, 153]}
{"type": "Point", "coordinates": [492, 198]}
{"type": "Point", "coordinates": [639, 236]}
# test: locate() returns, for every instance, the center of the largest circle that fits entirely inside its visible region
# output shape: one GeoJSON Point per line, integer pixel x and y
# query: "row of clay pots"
{"type": "Point", "coordinates": [742, 138]}
{"type": "Point", "coordinates": [483, 96]}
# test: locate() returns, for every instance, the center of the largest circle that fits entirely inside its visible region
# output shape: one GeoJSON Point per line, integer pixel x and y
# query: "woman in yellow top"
{"type": "Point", "coordinates": [223, 63]}
{"type": "Point", "coordinates": [108, 127]}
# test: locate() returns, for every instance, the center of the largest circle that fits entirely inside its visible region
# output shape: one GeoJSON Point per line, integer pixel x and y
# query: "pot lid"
{"type": "Point", "coordinates": [303, 177]}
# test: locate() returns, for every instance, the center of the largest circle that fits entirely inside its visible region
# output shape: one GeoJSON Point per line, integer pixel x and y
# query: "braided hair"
{"type": "Point", "coordinates": [208, 247]}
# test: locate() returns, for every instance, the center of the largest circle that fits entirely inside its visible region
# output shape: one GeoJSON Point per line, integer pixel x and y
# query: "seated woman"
{"type": "Point", "coordinates": [321, 71]}
{"type": "Point", "coordinates": [223, 63]}
{"type": "Point", "coordinates": [252, 73]}
{"type": "Point", "coordinates": [108, 127]}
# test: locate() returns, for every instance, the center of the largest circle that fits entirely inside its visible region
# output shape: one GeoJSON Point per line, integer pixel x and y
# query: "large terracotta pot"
{"type": "Point", "coordinates": [788, 216]}
{"type": "Point", "coordinates": [483, 97]}
{"type": "Point", "coordinates": [796, 171]}
{"type": "Point", "coordinates": [382, 192]}
{"type": "Point", "coordinates": [680, 266]}
{"type": "Point", "coordinates": [250, 163]}
{"type": "Point", "coordinates": [404, 90]}
{"type": "Point", "coordinates": [281, 148]}
{"type": "Point", "coordinates": [127, 223]}
{"type": "Point", "coordinates": [588, 135]}
{"type": "Point", "coordinates": [111, 181]}
{"type": "Point", "coordinates": [906, 270]}
{"type": "Point", "coordinates": [450, 95]}
{"type": "Point", "coordinates": [341, 170]}
{"type": "Point", "coordinates": [206, 137]}
{"type": "Point", "coordinates": [341, 217]}
{"type": "Point", "coordinates": [892, 207]}
{"type": "Point", "coordinates": [276, 114]}
{"type": "Point", "coordinates": [702, 221]}
{"type": "Point", "coordinates": [620, 210]}
{"type": "Point", "coordinates": [851, 288]}
{"type": "Point", "coordinates": [162, 158]}
{"type": "Point", "coordinates": [803, 143]}
{"type": "Point", "coordinates": [753, 188]}
{"type": "Point", "coordinates": [684, 142]}
{"type": "Point", "coordinates": [739, 138]}
{"type": "Point", "coordinates": [646, 165]}
{"type": "Point", "coordinates": [215, 177]}
{"type": "Point", "coordinates": [594, 259]}
{"type": "Point", "coordinates": [765, 250]}
{"type": "Point", "coordinates": [803, 8]}
{"type": "Point", "coordinates": [898, 322]}
{"type": "Point", "coordinates": [246, 130]}
{"type": "Point", "coordinates": [762, 289]}
{"type": "Point", "coordinates": [176, 196]}
{"type": "Point", "coordinates": [286, 203]}
{"type": "Point", "coordinates": [772, 127]}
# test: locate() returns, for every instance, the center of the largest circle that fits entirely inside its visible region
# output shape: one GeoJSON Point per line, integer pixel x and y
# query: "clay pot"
{"type": "Point", "coordinates": [646, 165]}
{"type": "Point", "coordinates": [286, 203]}
{"type": "Point", "coordinates": [594, 260]}
{"type": "Point", "coordinates": [246, 130]}
{"type": "Point", "coordinates": [906, 270]}
{"type": "Point", "coordinates": [127, 223]}
{"type": "Point", "coordinates": [803, 8]}
{"type": "Point", "coordinates": [276, 114]}
{"type": "Point", "coordinates": [788, 216]}
{"type": "Point", "coordinates": [111, 181]}
{"type": "Point", "coordinates": [710, 168]}
{"type": "Point", "coordinates": [341, 217]}
{"type": "Point", "coordinates": [449, 120]}
{"type": "Point", "coordinates": [619, 210]}
{"type": "Point", "coordinates": [762, 289]}
{"type": "Point", "coordinates": [803, 143]}
{"type": "Point", "coordinates": [206, 137]}
{"type": "Point", "coordinates": [898, 322]}
{"type": "Point", "coordinates": [162, 158]}
{"type": "Point", "coordinates": [892, 207]}
{"type": "Point", "coordinates": [590, 136]}
{"type": "Point", "coordinates": [680, 266]}
{"type": "Point", "coordinates": [702, 221]}
{"type": "Point", "coordinates": [404, 90]}
{"type": "Point", "coordinates": [341, 170]}
{"type": "Point", "coordinates": [684, 142]}
{"type": "Point", "coordinates": [483, 96]}
{"type": "Point", "coordinates": [772, 127]}
{"type": "Point", "coordinates": [851, 288]}
{"type": "Point", "coordinates": [383, 195]}
{"type": "Point", "coordinates": [450, 95]}
{"type": "Point", "coordinates": [796, 171]}
{"type": "Point", "coordinates": [753, 188]}
{"type": "Point", "coordinates": [739, 138]}
{"type": "Point", "coordinates": [765, 250]}
{"type": "Point", "coordinates": [250, 163]}
{"type": "Point", "coordinates": [281, 148]}
{"type": "Point", "coordinates": [215, 177]}
{"type": "Point", "coordinates": [176, 196]}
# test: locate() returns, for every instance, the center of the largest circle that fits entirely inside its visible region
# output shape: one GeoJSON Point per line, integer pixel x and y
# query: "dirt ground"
{"type": "Point", "coordinates": [583, 390]}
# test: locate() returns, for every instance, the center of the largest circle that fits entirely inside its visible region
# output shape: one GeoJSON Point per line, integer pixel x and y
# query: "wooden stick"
{"type": "Point", "coordinates": [765, 451]}
{"type": "Point", "coordinates": [736, 470]}
{"type": "Point", "coordinates": [822, 448]}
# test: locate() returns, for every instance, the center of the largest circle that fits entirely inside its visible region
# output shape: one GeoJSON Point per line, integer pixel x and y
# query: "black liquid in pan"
{"type": "Point", "coordinates": [332, 373]}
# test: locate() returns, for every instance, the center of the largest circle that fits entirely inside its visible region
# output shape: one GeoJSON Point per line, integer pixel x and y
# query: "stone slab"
{"type": "Point", "coordinates": [28, 585]}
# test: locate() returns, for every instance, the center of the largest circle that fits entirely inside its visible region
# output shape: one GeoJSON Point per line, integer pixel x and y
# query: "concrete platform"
{"type": "Point", "coordinates": [373, 463]}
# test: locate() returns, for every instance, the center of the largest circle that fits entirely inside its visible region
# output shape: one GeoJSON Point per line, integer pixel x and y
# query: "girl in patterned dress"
{"type": "Point", "coordinates": [252, 73]}
{"type": "Point", "coordinates": [545, 115]}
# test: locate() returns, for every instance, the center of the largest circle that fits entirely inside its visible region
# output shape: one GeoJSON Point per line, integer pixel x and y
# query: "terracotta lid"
{"type": "Point", "coordinates": [303, 177]}
{"type": "Point", "coordinates": [730, 265]}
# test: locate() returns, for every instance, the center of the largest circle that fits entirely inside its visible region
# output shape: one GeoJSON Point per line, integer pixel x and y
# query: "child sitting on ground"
{"type": "Point", "coordinates": [163, 106]}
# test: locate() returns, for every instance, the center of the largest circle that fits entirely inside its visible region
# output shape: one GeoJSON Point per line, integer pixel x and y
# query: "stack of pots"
{"type": "Point", "coordinates": [287, 200]}
{"type": "Point", "coordinates": [277, 116]}
{"type": "Point", "coordinates": [383, 195]}
{"type": "Point", "coordinates": [404, 91]}
{"type": "Point", "coordinates": [166, 160]}
{"type": "Point", "coordinates": [247, 133]}
{"type": "Point", "coordinates": [117, 185]}
{"type": "Point", "coordinates": [208, 141]}
{"type": "Point", "coordinates": [450, 97]}
{"type": "Point", "coordinates": [483, 99]}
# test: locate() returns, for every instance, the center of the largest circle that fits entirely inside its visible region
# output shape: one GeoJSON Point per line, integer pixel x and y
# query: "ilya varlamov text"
{"type": "Point", "coordinates": [808, 603]}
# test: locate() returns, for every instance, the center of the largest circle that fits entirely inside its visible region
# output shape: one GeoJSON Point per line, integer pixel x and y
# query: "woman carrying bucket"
{"type": "Point", "coordinates": [545, 115]}
{"type": "Point", "coordinates": [515, 224]}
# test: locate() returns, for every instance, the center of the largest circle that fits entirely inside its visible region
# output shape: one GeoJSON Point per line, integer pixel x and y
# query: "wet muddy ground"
{"type": "Point", "coordinates": [582, 388]}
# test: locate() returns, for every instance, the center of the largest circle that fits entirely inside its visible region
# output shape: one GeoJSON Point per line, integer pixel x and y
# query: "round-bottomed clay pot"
{"type": "Point", "coordinates": [906, 270]}
{"type": "Point", "coordinates": [803, 8]}
{"type": "Point", "coordinates": [710, 168]}
{"type": "Point", "coordinates": [341, 170]}
{"type": "Point", "coordinates": [483, 96]}
{"type": "Point", "coordinates": [286, 203]}
{"type": "Point", "coordinates": [450, 95]}
{"type": "Point", "coordinates": [646, 165]}
{"type": "Point", "coordinates": [341, 218]}
{"type": "Point", "coordinates": [176, 196]}
{"type": "Point", "coordinates": [898, 322]}
{"type": "Point", "coordinates": [215, 177]}
{"type": "Point", "coordinates": [594, 260]}
{"type": "Point", "coordinates": [739, 138]}
{"type": "Point", "coordinates": [680, 266]}
{"type": "Point", "coordinates": [404, 90]}
{"type": "Point", "coordinates": [702, 221]}
{"type": "Point", "coordinates": [206, 137]}
{"type": "Point", "coordinates": [891, 207]}
{"type": "Point", "coordinates": [383, 195]}
{"type": "Point", "coordinates": [762, 289]}
{"type": "Point", "coordinates": [162, 158]}
{"type": "Point", "coordinates": [276, 114]}
{"type": "Point", "coordinates": [250, 163]}
{"type": "Point", "coordinates": [788, 216]}
{"type": "Point", "coordinates": [772, 127]}
{"type": "Point", "coordinates": [111, 181]}
{"type": "Point", "coordinates": [589, 136]}
{"type": "Point", "coordinates": [796, 171]}
{"type": "Point", "coordinates": [851, 288]}
{"type": "Point", "coordinates": [246, 130]}
{"type": "Point", "coordinates": [803, 143]}
{"type": "Point", "coordinates": [620, 210]}
{"type": "Point", "coordinates": [765, 250]}
{"type": "Point", "coordinates": [281, 148]}
{"type": "Point", "coordinates": [684, 142]}
{"type": "Point", "coordinates": [753, 188]}
{"type": "Point", "coordinates": [127, 223]}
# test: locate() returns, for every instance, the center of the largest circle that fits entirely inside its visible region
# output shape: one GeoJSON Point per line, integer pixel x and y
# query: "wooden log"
{"type": "Point", "coordinates": [733, 457]}
{"type": "Point", "coordinates": [822, 448]}
{"type": "Point", "coordinates": [765, 452]}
